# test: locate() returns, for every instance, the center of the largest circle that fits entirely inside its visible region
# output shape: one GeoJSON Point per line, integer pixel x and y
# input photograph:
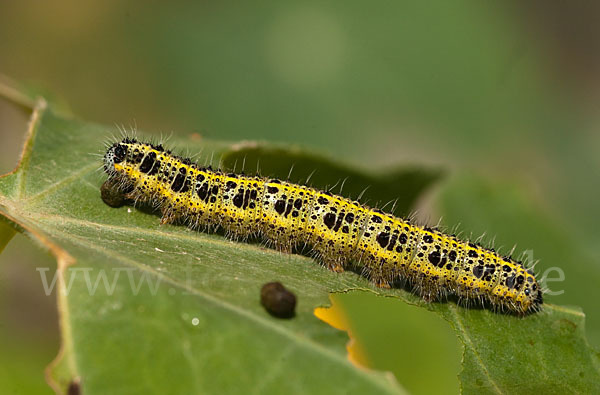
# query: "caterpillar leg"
{"type": "Point", "coordinates": [133, 196]}
{"type": "Point", "coordinates": [428, 297]}
{"type": "Point", "coordinates": [379, 277]}
{"type": "Point", "coordinates": [383, 284]}
{"type": "Point", "coordinates": [168, 216]}
{"type": "Point", "coordinates": [428, 288]}
{"type": "Point", "coordinates": [334, 260]}
{"type": "Point", "coordinates": [380, 271]}
{"type": "Point", "coordinates": [334, 265]}
{"type": "Point", "coordinates": [167, 219]}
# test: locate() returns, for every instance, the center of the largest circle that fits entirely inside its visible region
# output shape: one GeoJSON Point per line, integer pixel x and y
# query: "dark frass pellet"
{"type": "Point", "coordinates": [74, 387]}
{"type": "Point", "coordinates": [112, 195]}
{"type": "Point", "coordinates": [277, 300]}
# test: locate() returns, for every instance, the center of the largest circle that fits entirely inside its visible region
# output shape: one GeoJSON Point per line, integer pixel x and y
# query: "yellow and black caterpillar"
{"type": "Point", "coordinates": [387, 249]}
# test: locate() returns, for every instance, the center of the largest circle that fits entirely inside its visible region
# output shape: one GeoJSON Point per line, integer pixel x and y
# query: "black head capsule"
{"type": "Point", "coordinates": [277, 300]}
{"type": "Point", "coordinates": [115, 154]}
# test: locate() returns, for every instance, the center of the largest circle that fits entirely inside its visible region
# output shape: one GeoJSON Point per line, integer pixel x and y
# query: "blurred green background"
{"type": "Point", "coordinates": [503, 96]}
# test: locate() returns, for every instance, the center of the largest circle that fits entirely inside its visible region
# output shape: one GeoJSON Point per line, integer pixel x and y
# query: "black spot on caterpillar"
{"type": "Point", "coordinates": [385, 248]}
{"type": "Point", "coordinates": [277, 300]}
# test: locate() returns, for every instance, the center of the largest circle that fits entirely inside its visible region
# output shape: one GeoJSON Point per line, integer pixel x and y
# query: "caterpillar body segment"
{"type": "Point", "coordinates": [341, 232]}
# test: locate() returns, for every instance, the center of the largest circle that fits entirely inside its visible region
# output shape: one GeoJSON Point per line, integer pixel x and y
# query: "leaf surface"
{"type": "Point", "coordinates": [149, 308]}
{"type": "Point", "coordinates": [162, 308]}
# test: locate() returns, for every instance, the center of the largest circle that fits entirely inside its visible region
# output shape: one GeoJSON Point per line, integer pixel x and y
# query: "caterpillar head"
{"type": "Point", "coordinates": [115, 154]}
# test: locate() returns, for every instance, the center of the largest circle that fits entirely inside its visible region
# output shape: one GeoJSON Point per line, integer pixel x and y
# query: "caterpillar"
{"type": "Point", "coordinates": [341, 232]}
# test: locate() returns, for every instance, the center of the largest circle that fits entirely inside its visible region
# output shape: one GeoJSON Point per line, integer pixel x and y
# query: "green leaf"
{"type": "Point", "coordinates": [6, 234]}
{"type": "Point", "coordinates": [182, 313]}
{"type": "Point", "coordinates": [512, 217]}
{"type": "Point", "coordinates": [555, 337]}
{"type": "Point", "coordinates": [149, 308]}
{"type": "Point", "coordinates": [412, 342]}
